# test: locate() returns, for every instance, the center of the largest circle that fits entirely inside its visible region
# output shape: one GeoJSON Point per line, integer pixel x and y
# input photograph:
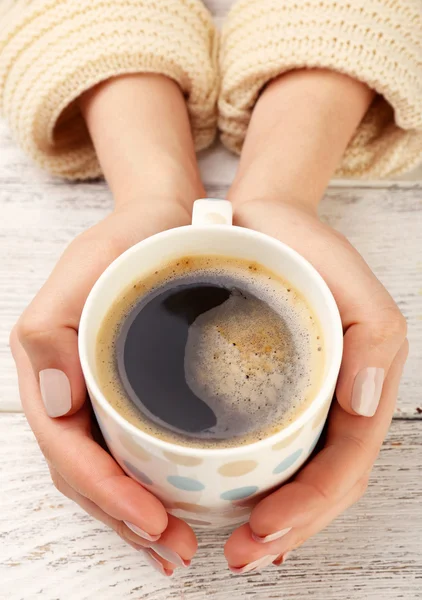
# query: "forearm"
{"type": "Point", "coordinates": [140, 129]}
{"type": "Point", "coordinates": [298, 132]}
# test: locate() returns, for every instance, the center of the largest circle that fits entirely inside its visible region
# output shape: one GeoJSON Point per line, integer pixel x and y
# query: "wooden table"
{"type": "Point", "coordinates": [52, 550]}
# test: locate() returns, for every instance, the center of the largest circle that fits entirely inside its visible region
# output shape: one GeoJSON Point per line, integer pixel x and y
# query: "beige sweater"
{"type": "Point", "coordinates": [53, 50]}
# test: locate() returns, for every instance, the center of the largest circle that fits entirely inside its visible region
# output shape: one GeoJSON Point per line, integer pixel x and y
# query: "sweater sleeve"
{"type": "Point", "coordinates": [376, 41]}
{"type": "Point", "coordinates": [53, 50]}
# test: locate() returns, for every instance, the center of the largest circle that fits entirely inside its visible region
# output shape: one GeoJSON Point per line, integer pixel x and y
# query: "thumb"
{"type": "Point", "coordinates": [53, 352]}
{"type": "Point", "coordinates": [48, 328]}
{"type": "Point", "coordinates": [369, 350]}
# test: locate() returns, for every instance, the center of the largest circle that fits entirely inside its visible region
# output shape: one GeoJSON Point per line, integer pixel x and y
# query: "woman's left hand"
{"type": "Point", "coordinates": [375, 350]}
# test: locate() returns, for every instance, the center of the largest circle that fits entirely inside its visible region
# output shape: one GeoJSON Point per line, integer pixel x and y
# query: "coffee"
{"type": "Point", "coordinates": [210, 351]}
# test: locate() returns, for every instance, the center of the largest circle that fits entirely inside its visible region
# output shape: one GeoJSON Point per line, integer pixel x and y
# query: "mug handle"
{"type": "Point", "coordinates": [212, 212]}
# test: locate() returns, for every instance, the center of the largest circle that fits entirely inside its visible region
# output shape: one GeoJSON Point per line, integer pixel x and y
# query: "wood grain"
{"type": "Point", "coordinates": [41, 215]}
{"type": "Point", "coordinates": [51, 550]}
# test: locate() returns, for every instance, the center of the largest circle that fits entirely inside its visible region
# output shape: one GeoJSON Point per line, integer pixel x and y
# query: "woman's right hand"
{"type": "Point", "coordinates": [44, 346]}
{"type": "Point", "coordinates": [154, 179]}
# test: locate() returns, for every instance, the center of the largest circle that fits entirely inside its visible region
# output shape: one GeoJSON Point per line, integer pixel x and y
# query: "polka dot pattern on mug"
{"type": "Point", "coordinates": [288, 462]}
{"type": "Point", "coordinates": [288, 440]}
{"type": "Point", "coordinates": [238, 468]}
{"type": "Point", "coordinates": [137, 474]}
{"type": "Point", "coordinates": [196, 509]}
{"type": "Point", "coordinates": [239, 493]}
{"type": "Point", "coordinates": [180, 459]}
{"type": "Point", "coordinates": [185, 483]}
{"type": "Point", "coordinates": [320, 418]}
{"type": "Point", "coordinates": [134, 448]}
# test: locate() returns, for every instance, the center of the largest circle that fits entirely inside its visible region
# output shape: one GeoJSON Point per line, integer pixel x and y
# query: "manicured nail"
{"type": "Point", "coordinates": [281, 560]}
{"type": "Point", "coordinates": [367, 391]}
{"type": "Point", "coordinates": [55, 392]}
{"type": "Point", "coordinates": [169, 555]}
{"type": "Point", "coordinates": [143, 534]}
{"type": "Point", "coordinates": [262, 562]}
{"type": "Point", "coordinates": [271, 537]}
{"type": "Point", "coordinates": [151, 560]}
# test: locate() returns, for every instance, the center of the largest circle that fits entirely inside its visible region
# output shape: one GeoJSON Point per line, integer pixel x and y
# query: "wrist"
{"type": "Point", "coordinates": [299, 130]}
{"type": "Point", "coordinates": [140, 128]}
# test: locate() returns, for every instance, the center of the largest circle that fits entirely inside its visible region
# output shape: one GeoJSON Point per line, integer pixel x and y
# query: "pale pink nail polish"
{"type": "Point", "coordinates": [260, 563]}
{"type": "Point", "coordinates": [271, 537]}
{"type": "Point", "coordinates": [169, 555]}
{"type": "Point", "coordinates": [55, 392]}
{"type": "Point", "coordinates": [151, 560]}
{"type": "Point", "coordinates": [143, 534]}
{"type": "Point", "coordinates": [367, 390]}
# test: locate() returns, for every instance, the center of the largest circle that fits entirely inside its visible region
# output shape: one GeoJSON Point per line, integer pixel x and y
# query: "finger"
{"type": "Point", "coordinates": [244, 554]}
{"type": "Point", "coordinates": [369, 349]}
{"type": "Point", "coordinates": [352, 446]}
{"type": "Point", "coordinates": [48, 327]}
{"type": "Point", "coordinates": [94, 511]}
{"type": "Point", "coordinates": [374, 327]}
{"type": "Point", "coordinates": [119, 527]}
{"type": "Point", "coordinates": [83, 464]}
{"type": "Point", "coordinates": [302, 534]}
{"type": "Point", "coordinates": [177, 545]}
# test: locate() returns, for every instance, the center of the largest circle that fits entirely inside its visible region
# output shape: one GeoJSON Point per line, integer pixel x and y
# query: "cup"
{"type": "Point", "coordinates": [204, 486]}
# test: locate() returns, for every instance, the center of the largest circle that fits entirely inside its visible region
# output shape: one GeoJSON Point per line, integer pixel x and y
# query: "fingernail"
{"type": "Point", "coordinates": [151, 560]}
{"type": "Point", "coordinates": [367, 391]}
{"type": "Point", "coordinates": [143, 534]}
{"type": "Point", "coordinates": [170, 555]}
{"type": "Point", "coordinates": [262, 562]}
{"type": "Point", "coordinates": [271, 537]}
{"type": "Point", "coordinates": [282, 559]}
{"type": "Point", "coordinates": [55, 392]}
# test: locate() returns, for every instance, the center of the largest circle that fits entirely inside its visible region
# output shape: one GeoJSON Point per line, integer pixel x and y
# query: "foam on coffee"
{"type": "Point", "coordinates": [256, 359]}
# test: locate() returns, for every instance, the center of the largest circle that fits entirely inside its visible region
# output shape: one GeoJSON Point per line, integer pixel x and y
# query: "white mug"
{"type": "Point", "coordinates": [205, 486]}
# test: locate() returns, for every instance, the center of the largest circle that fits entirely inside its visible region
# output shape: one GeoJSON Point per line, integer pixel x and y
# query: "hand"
{"type": "Point", "coordinates": [45, 337]}
{"type": "Point", "coordinates": [374, 348]}
{"type": "Point", "coordinates": [299, 130]}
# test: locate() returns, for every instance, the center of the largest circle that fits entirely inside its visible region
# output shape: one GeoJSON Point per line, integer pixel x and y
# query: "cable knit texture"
{"type": "Point", "coordinates": [376, 41]}
{"type": "Point", "coordinates": [53, 50]}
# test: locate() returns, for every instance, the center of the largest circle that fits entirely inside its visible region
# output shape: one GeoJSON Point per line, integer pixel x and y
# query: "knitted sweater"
{"type": "Point", "coordinates": [53, 50]}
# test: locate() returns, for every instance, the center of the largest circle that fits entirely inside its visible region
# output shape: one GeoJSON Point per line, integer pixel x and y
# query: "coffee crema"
{"type": "Point", "coordinates": [210, 351]}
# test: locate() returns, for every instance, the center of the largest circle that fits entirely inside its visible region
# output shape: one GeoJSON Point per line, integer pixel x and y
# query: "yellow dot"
{"type": "Point", "coordinates": [134, 448]}
{"type": "Point", "coordinates": [179, 459]}
{"type": "Point", "coordinates": [288, 440]}
{"type": "Point", "coordinates": [237, 512]}
{"type": "Point", "coordinates": [238, 468]}
{"type": "Point", "coordinates": [320, 418]}
{"type": "Point", "coordinates": [196, 509]}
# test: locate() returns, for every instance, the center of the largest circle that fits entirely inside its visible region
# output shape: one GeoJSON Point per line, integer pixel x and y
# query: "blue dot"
{"type": "Point", "coordinates": [185, 483]}
{"type": "Point", "coordinates": [288, 462]}
{"type": "Point", "coordinates": [239, 493]}
{"type": "Point", "coordinates": [137, 474]}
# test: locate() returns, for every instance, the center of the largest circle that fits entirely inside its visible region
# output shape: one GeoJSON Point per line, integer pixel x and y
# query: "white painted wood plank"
{"type": "Point", "coordinates": [218, 167]}
{"type": "Point", "coordinates": [51, 550]}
